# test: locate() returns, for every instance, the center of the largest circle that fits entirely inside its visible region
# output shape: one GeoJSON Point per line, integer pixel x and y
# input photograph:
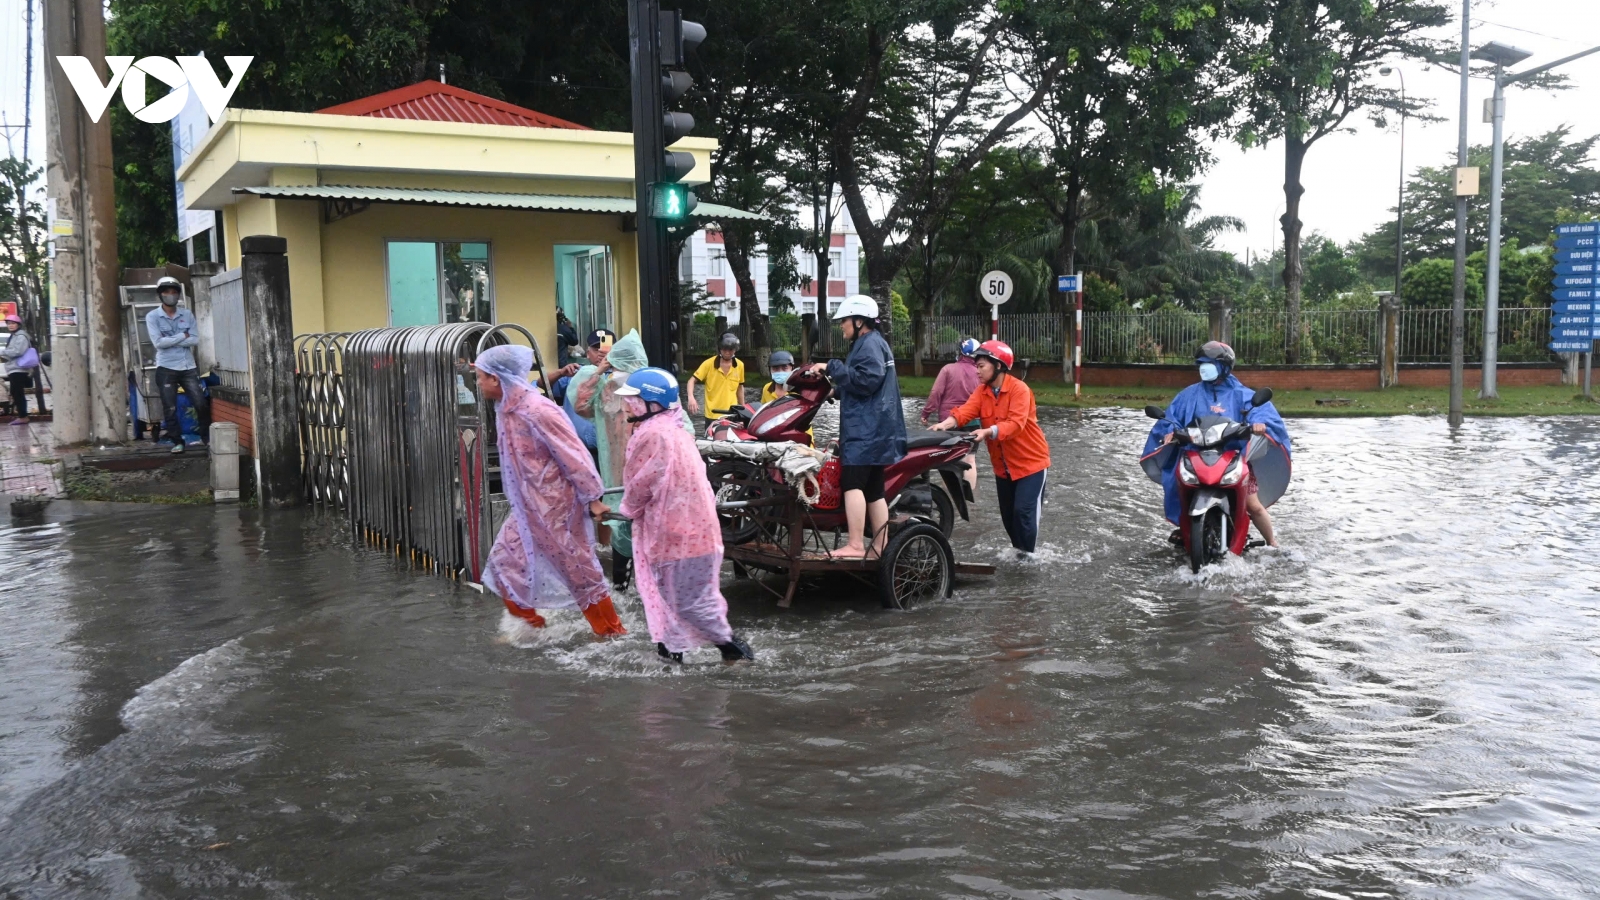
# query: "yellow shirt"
{"type": "Point", "coordinates": [722, 391]}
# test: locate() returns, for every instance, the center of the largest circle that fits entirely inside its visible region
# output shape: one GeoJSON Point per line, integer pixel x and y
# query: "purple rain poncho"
{"type": "Point", "coordinates": [543, 557]}
{"type": "Point", "coordinates": [677, 541]}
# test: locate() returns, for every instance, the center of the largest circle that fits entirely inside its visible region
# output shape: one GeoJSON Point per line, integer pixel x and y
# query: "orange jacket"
{"type": "Point", "coordinates": [1021, 449]}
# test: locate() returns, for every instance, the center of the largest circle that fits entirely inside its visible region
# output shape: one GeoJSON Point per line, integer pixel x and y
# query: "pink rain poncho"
{"type": "Point", "coordinates": [543, 556]}
{"type": "Point", "coordinates": [677, 543]}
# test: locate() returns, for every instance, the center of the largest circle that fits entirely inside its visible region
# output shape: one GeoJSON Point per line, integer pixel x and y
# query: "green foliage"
{"type": "Point", "coordinates": [1430, 284]}
{"type": "Point", "coordinates": [1329, 272]}
{"type": "Point", "coordinates": [22, 238]}
{"type": "Point", "coordinates": [1101, 295]}
{"type": "Point", "coordinates": [1524, 273]}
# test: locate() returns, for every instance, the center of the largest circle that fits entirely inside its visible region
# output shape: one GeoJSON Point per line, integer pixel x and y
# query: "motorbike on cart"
{"type": "Point", "coordinates": [1216, 460]}
{"type": "Point", "coordinates": [908, 484]}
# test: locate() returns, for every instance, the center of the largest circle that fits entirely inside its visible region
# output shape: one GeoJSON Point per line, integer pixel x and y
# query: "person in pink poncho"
{"type": "Point", "coordinates": [543, 557]}
{"type": "Point", "coordinates": [677, 543]}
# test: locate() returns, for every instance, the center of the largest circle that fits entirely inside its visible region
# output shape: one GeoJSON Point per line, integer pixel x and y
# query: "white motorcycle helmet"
{"type": "Point", "coordinates": [857, 305]}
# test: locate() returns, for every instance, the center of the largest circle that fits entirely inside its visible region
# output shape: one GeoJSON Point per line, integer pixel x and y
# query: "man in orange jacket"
{"type": "Point", "coordinates": [1017, 448]}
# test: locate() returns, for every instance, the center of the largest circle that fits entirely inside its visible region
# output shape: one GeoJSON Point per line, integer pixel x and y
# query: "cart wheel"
{"type": "Point", "coordinates": [917, 566]}
{"type": "Point", "coordinates": [737, 480]}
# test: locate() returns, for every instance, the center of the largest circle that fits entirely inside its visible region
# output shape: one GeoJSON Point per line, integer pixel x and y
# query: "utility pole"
{"type": "Point", "coordinates": [1458, 303]}
{"type": "Point", "coordinates": [1501, 55]}
{"type": "Point", "coordinates": [90, 389]}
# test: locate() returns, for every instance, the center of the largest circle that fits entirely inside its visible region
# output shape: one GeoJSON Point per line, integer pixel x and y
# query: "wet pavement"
{"type": "Point", "coordinates": [1401, 703]}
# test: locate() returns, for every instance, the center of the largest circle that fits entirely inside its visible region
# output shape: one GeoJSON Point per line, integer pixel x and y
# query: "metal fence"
{"type": "Point", "coordinates": [228, 329]}
{"type": "Point", "coordinates": [394, 431]}
{"type": "Point", "coordinates": [1171, 335]}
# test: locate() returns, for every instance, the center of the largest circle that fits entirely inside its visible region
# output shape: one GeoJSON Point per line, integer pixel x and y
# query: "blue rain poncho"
{"type": "Point", "coordinates": [872, 423]}
{"type": "Point", "coordinates": [1224, 397]}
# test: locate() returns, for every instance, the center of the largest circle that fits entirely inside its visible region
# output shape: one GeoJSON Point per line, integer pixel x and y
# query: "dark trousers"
{"type": "Point", "coordinates": [1021, 502]}
{"type": "Point", "coordinates": [168, 380]}
{"type": "Point", "coordinates": [18, 383]}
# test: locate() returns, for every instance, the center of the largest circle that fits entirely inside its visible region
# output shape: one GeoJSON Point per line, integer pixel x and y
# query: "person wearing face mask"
{"type": "Point", "coordinates": [1218, 393]}
{"type": "Point", "coordinates": [543, 557]}
{"type": "Point", "coordinates": [781, 365]}
{"type": "Point", "coordinates": [175, 334]}
{"type": "Point", "coordinates": [677, 542]}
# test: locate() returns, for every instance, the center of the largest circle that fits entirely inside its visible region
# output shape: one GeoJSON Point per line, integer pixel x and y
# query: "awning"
{"type": "Point", "coordinates": [710, 212]}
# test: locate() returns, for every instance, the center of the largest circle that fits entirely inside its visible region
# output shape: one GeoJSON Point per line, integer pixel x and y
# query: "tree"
{"type": "Point", "coordinates": [941, 84]}
{"type": "Point", "coordinates": [1305, 66]}
{"type": "Point", "coordinates": [22, 237]}
{"type": "Point", "coordinates": [1430, 284]}
{"type": "Point", "coordinates": [1329, 272]}
{"type": "Point", "coordinates": [1127, 117]}
{"type": "Point", "coordinates": [1548, 179]}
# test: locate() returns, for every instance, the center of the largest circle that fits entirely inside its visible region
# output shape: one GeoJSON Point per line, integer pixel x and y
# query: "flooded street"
{"type": "Point", "coordinates": [1400, 703]}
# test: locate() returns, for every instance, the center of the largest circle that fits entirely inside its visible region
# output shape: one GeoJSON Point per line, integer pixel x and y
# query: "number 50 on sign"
{"type": "Point", "coordinates": [995, 287]}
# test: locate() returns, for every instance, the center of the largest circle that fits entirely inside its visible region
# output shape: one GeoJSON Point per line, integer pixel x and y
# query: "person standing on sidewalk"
{"type": "Point", "coordinates": [543, 557]}
{"type": "Point", "coordinates": [17, 350]}
{"type": "Point", "coordinates": [175, 334]}
{"type": "Point", "coordinates": [1018, 452]}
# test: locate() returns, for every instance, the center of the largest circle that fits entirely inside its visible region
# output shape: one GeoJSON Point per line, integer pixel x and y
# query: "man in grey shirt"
{"type": "Point", "coordinates": [174, 333]}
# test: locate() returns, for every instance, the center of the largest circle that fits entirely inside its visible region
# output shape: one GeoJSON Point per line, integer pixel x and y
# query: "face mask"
{"type": "Point", "coordinates": [1209, 372]}
{"type": "Point", "coordinates": [633, 406]}
{"type": "Point", "coordinates": [780, 377]}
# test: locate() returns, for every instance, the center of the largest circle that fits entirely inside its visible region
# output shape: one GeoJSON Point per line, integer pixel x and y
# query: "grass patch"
{"type": "Point", "coordinates": [1400, 401]}
{"type": "Point", "coordinates": [95, 484]}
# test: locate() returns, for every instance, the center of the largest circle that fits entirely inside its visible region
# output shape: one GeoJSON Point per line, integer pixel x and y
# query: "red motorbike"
{"type": "Point", "coordinates": [1214, 480]}
{"type": "Point", "coordinates": [908, 485]}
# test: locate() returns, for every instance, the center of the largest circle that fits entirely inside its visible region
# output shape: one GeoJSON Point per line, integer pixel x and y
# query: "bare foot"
{"type": "Point", "coordinates": [850, 551]}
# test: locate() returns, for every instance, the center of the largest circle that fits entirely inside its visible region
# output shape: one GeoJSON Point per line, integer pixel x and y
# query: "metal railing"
{"type": "Point", "coordinates": [228, 330]}
{"type": "Point", "coordinates": [394, 431]}
{"type": "Point", "coordinates": [1171, 335]}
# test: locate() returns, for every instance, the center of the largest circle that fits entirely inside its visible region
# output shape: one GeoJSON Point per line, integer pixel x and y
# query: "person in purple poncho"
{"type": "Point", "coordinates": [543, 557]}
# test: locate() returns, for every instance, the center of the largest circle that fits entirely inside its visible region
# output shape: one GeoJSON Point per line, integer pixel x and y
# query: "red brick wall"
{"type": "Point", "coordinates": [239, 414]}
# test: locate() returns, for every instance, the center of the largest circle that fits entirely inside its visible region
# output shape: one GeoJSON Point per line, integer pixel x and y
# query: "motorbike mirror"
{"type": "Point", "coordinates": [1155, 412]}
{"type": "Point", "coordinates": [1264, 395]}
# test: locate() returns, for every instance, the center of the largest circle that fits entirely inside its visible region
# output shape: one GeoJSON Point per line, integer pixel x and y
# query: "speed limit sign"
{"type": "Point", "coordinates": [995, 287]}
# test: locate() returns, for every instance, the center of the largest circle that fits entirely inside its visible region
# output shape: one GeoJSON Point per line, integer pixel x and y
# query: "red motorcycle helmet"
{"type": "Point", "coordinates": [997, 351]}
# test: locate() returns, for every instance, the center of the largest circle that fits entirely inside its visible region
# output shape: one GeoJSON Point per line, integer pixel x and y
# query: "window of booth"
{"type": "Point", "coordinates": [431, 282]}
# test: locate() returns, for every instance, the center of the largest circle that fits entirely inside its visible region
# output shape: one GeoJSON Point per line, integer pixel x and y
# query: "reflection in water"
{"type": "Point", "coordinates": [199, 703]}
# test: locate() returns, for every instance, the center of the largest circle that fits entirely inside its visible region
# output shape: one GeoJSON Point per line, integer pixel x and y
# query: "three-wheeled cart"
{"type": "Point", "coordinates": [917, 564]}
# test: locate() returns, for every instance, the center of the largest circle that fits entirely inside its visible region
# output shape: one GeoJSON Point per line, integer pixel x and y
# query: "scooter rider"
{"type": "Point", "coordinates": [1018, 452]}
{"type": "Point", "coordinates": [1218, 393]}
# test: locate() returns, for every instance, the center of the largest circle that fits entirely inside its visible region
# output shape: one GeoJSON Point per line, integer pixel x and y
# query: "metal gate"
{"type": "Point", "coordinates": [394, 431]}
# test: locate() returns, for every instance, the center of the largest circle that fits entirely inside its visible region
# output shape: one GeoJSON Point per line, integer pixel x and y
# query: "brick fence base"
{"type": "Point", "coordinates": [225, 409]}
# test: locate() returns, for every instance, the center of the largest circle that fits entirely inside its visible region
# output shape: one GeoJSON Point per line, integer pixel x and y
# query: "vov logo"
{"type": "Point", "coordinates": [182, 75]}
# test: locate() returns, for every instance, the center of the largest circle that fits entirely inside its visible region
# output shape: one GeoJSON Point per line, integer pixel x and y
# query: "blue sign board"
{"type": "Point", "coordinates": [1574, 324]}
{"type": "Point", "coordinates": [1069, 284]}
{"type": "Point", "coordinates": [1583, 293]}
{"type": "Point", "coordinates": [1572, 241]}
{"type": "Point", "coordinates": [1576, 268]}
{"type": "Point", "coordinates": [1572, 281]}
{"type": "Point", "coordinates": [1573, 307]}
{"type": "Point", "coordinates": [1575, 254]}
{"type": "Point", "coordinates": [1579, 228]}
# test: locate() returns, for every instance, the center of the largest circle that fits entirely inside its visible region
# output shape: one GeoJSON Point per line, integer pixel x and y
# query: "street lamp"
{"type": "Point", "coordinates": [1502, 55]}
{"type": "Point", "coordinates": [1400, 207]}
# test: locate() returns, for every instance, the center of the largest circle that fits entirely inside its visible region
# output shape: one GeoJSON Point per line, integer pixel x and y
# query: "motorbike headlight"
{"type": "Point", "coordinates": [1186, 471]}
{"type": "Point", "coordinates": [1234, 473]}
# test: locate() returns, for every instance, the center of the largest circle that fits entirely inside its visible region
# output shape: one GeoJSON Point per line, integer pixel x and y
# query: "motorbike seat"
{"type": "Point", "coordinates": [927, 439]}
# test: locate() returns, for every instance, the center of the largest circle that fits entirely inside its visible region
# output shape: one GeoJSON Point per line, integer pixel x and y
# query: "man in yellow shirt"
{"type": "Point", "coordinates": [723, 376]}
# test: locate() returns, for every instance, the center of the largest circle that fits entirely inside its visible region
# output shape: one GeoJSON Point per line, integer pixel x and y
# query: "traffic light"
{"type": "Point", "coordinates": [661, 42]}
{"type": "Point", "coordinates": [670, 201]}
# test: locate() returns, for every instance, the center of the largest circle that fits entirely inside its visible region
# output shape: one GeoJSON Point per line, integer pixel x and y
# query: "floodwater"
{"type": "Point", "coordinates": [1401, 703]}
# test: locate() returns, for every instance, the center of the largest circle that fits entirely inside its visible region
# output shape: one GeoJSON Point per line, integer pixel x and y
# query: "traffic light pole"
{"type": "Point", "coordinates": [655, 269]}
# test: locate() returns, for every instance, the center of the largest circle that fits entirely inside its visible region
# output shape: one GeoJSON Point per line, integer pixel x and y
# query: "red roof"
{"type": "Point", "coordinates": [431, 101]}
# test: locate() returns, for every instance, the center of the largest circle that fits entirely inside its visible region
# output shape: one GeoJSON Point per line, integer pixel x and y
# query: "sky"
{"type": "Point", "coordinates": [1350, 178]}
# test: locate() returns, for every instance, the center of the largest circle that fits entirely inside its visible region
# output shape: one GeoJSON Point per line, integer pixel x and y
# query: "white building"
{"type": "Point", "coordinates": [704, 264]}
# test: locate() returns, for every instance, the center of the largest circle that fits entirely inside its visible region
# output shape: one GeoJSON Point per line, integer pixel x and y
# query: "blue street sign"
{"type": "Point", "coordinates": [1583, 293]}
{"type": "Point", "coordinates": [1575, 268]}
{"type": "Point", "coordinates": [1069, 284]}
{"type": "Point", "coordinates": [1572, 308]}
{"type": "Point", "coordinates": [1577, 240]}
{"type": "Point", "coordinates": [1570, 346]}
{"type": "Point", "coordinates": [1574, 255]}
{"type": "Point", "coordinates": [1572, 281]}
{"type": "Point", "coordinates": [1579, 228]}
